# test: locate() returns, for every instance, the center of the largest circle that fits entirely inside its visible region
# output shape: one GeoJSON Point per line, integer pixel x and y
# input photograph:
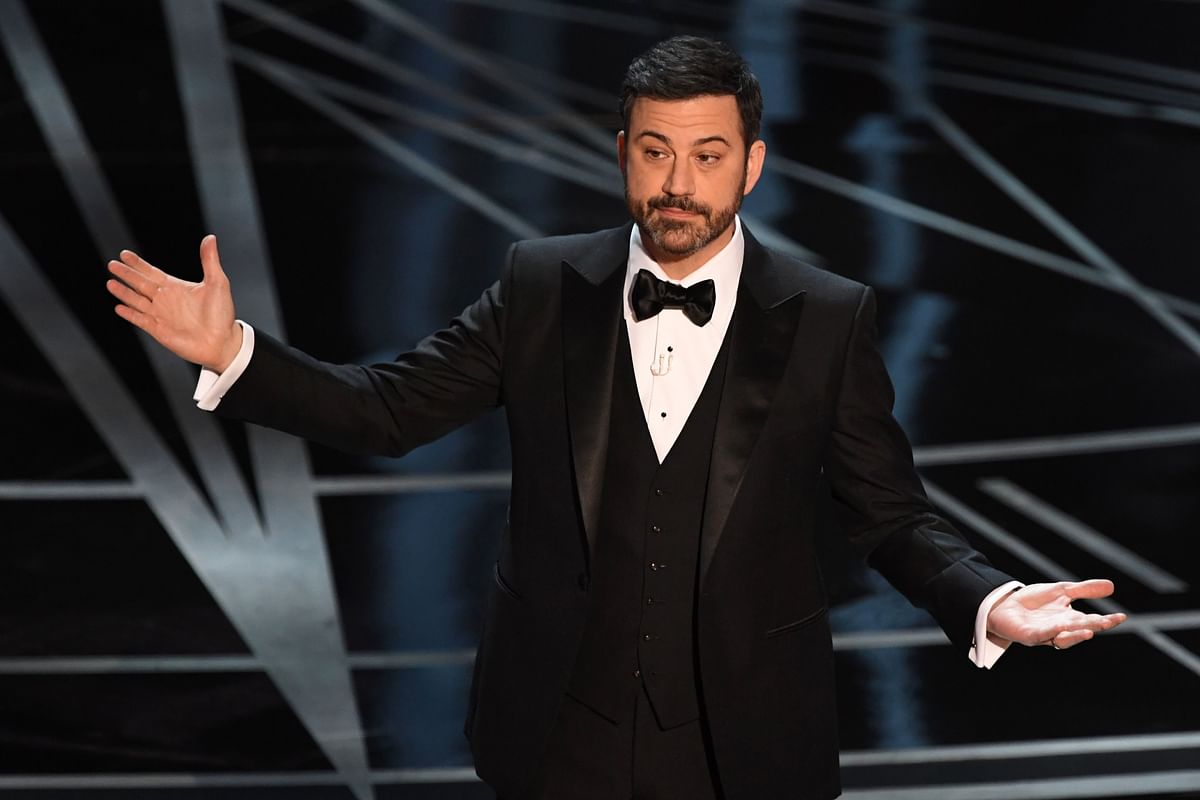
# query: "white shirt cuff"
{"type": "Point", "coordinates": [212, 387]}
{"type": "Point", "coordinates": [987, 649]}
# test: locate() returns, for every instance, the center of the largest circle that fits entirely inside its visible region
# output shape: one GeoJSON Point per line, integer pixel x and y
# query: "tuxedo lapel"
{"type": "Point", "coordinates": [761, 334]}
{"type": "Point", "coordinates": [591, 312]}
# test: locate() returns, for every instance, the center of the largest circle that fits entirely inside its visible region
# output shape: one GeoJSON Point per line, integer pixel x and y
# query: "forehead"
{"type": "Point", "coordinates": [687, 120]}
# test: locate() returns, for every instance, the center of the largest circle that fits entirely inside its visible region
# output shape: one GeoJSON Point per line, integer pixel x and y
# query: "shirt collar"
{"type": "Point", "coordinates": [725, 269]}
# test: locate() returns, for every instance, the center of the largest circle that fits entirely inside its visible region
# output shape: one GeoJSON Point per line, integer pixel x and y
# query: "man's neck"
{"type": "Point", "coordinates": [679, 267]}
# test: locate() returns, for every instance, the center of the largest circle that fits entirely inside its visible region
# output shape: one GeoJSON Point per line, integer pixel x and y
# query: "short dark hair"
{"type": "Point", "coordinates": [683, 67]}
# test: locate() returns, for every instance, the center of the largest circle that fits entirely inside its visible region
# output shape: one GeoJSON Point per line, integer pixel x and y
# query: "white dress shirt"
{"type": "Point", "coordinates": [672, 358]}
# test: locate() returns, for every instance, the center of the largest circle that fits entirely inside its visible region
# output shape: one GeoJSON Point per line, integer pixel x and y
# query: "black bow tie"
{"type": "Point", "coordinates": [650, 296]}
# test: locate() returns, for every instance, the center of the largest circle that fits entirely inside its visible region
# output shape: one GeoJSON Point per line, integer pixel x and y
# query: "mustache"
{"type": "Point", "coordinates": [680, 203]}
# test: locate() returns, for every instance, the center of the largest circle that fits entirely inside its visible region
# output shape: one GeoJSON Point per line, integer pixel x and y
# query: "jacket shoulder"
{"type": "Point", "coordinates": [569, 247]}
{"type": "Point", "coordinates": [820, 286]}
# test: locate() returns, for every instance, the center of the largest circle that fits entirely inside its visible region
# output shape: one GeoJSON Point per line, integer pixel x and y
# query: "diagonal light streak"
{"type": "Point", "coordinates": [356, 54]}
{"type": "Point", "coordinates": [1133, 89]}
{"type": "Point", "coordinates": [881, 17]}
{"type": "Point", "coordinates": [1083, 536]}
{"type": "Point", "coordinates": [1072, 75]}
{"type": "Point", "coordinates": [105, 400]}
{"type": "Point", "coordinates": [79, 166]}
{"type": "Point", "coordinates": [243, 574]}
{"type": "Point", "coordinates": [401, 154]}
{"type": "Point", "coordinates": [1053, 571]}
{"type": "Point", "coordinates": [1008, 183]}
{"type": "Point", "coordinates": [486, 68]}
{"type": "Point", "coordinates": [973, 82]}
{"type": "Point", "coordinates": [1062, 445]}
{"type": "Point", "coordinates": [577, 14]}
{"type": "Point", "coordinates": [280, 71]}
{"type": "Point", "coordinates": [999, 41]}
{"type": "Point", "coordinates": [965, 231]}
{"type": "Point", "coordinates": [289, 605]}
{"type": "Point", "coordinates": [1018, 90]}
{"type": "Point", "coordinates": [234, 570]}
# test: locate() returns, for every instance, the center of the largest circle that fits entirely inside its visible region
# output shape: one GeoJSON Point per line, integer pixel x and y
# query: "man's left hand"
{"type": "Point", "coordinates": [1041, 613]}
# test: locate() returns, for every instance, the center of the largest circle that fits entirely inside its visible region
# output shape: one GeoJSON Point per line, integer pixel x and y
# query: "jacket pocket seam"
{"type": "Point", "coordinates": [503, 584]}
{"type": "Point", "coordinates": [803, 622]}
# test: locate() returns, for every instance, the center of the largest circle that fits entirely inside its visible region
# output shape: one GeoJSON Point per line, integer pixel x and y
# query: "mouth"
{"type": "Point", "coordinates": [676, 213]}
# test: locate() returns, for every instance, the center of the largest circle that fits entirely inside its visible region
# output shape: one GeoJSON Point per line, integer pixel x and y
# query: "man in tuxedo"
{"type": "Point", "coordinates": [679, 400]}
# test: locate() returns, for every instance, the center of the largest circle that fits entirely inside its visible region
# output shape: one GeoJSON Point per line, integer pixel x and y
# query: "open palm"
{"type": "Point", "coordinates": [1041, 613]}
{"type": "Point", "coordinates": [193, 320]}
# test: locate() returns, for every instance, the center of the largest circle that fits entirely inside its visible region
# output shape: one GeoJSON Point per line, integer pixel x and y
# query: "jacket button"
{"type": "Point", "coordinates": [655, 529]}
{"type": "Point", "coordinates": [659, 492]}
{"type": "Point", "coordinates": [583, 582]}
{"type": "Point", "coordinates": [655, 566]}
{"type": "Point", "coordinates": [650, 601]}
{"type": "Point", "coordinates": [637, 673]}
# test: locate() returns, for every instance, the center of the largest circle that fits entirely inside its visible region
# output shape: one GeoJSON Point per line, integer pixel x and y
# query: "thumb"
{"type": "Point", "coordinates": [210, 260]}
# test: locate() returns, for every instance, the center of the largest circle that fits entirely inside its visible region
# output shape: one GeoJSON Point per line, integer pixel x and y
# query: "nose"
{"type": "Point", "coordinates": [679, 179]}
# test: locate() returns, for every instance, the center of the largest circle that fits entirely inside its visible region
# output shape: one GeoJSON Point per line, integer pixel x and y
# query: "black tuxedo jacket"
{"type": "Point", "coordinates": [806, 396]}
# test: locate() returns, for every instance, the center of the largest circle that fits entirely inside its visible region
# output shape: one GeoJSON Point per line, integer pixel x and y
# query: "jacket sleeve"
{"type": "Point", "coordinates": [448, 379]}
{"type": "Point", "coordinates": [880, 500]}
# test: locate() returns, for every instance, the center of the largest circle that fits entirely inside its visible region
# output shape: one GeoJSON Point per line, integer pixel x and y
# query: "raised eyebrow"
{"type": "Point", "coordinates": [656, 135]}
{"type": "Point", "coordinates": [662, 137]}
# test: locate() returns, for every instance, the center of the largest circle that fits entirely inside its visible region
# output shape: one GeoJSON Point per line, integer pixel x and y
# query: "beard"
{"type": "Point", "coordinates": [680, 237]}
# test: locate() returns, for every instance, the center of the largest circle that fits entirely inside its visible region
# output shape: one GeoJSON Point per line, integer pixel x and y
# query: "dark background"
{"type": "Point", "coordinates": [189, 609]}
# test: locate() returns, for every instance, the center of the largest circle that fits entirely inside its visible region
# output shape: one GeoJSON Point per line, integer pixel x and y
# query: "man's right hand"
{"type": "Point", "coordinates": [194, 321]}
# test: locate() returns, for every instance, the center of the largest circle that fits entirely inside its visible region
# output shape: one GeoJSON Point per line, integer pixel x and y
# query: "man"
{"type": "Point", "coordinates": [677, 396]}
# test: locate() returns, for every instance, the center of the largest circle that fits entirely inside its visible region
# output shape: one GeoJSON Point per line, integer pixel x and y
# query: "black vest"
{"type": "Point", "coordinates": [641, 617]}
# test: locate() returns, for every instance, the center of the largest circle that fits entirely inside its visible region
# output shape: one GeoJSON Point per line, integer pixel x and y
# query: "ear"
{"type": "Point", "coordinates": [621, 151]}
{"type": "Point", "coordinates": [754, 164]}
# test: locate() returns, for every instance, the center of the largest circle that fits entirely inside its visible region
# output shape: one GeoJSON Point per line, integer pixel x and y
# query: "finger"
{"type": "Point", "coordinates": [141, 320]}
{"type": "Point", "coordinates": [1068, 639]}
{"type": "Point", "coordinates": [1095, 622]}
{"type": "Point", "coordinates": [210, 260]}
{"type": "Point", "coordinates": [134, 261]}
{"type": "Point", "coordinates": [128, 296]}
{"type": "Point", "coordinates": [1097, 587]}
{"type": "Point", "coordinates": [132, 278]}
{"type": "Point", "coordinates": [1088, 624]}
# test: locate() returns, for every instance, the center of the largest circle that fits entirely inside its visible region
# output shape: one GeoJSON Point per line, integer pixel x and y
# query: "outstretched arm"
{"type": "Point", "coordinates": [195, 321]}
{"type": "Point", "coordinates": [1041, 613]}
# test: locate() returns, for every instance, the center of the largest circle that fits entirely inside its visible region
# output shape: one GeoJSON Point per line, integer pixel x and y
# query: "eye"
{"type": "Point", "coordinates": [708, 159]}
{"type": "Point", "coordinates": [654, 154]}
